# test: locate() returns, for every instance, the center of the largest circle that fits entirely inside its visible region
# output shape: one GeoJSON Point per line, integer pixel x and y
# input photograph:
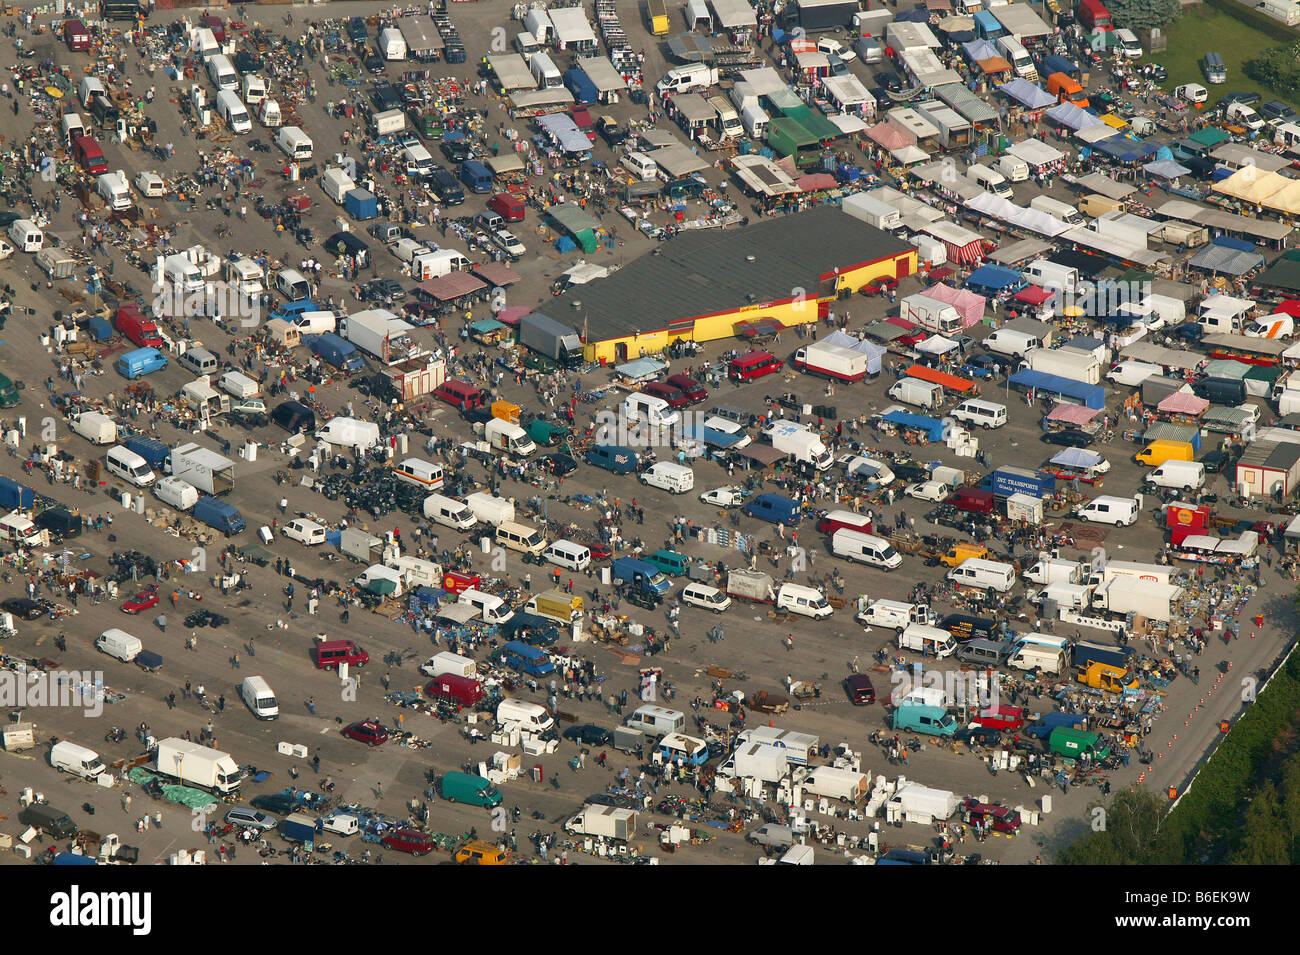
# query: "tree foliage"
{"type": "Point", "coordinates": [1277, 68]}
{"type": "Point", "coordinates": [1141, 15]}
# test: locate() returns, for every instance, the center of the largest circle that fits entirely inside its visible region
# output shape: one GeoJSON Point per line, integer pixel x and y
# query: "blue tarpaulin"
{"type": "Point", "coordinates": [1241, 245]}
{"type": "Point", "coordinates": [1090, 396]}
{"type": "Point", "coordinates": [994, 278]}
{"type": "Point", "coordinates": [905, 419]}
{"type": "Point", "coordinates": [712, 436]}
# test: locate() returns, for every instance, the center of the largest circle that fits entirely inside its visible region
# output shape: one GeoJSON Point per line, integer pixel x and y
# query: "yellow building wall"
{"type": "Point", "coordinates": [708, 328]}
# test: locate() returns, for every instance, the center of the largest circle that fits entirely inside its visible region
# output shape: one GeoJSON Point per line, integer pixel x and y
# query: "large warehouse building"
{"type": "Point", "coordinates": [700, 284]}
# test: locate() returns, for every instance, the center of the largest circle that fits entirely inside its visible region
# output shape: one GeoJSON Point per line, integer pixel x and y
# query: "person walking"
{"type": "Point", "coordinates": [311, 705]}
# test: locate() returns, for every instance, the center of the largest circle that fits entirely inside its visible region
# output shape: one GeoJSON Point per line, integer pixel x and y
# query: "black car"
{"type": "Point", "coordinates": [992, 363]}
{"type": "Point", "coordinates": [374, 62]}
{"type": "Point", "coordinates": [378, 290]}
{"type": "Point", "coordinates": [24, 608]}
{"type": "Point", "coordinates": [1190, 332]}
{"type": "Point", "coordinates": [445, 187]}
{"type": "Point", "coordinates": [456, 150]}
{"type": "Point", "coordinates": [612, 799]}
{"type": "Point", "coordinates": [275, 802]}
{"type": "Point", "coordinates": [357, 31]}
{"type": "Point", "coordinates": [1156, 72]}
{"type": "Point", "coordinates": [1240, 96]}
{"type": "Point", "coordinates": [1216, 462]}
{"type": "Point", "coordinates": [1069, 438]}
{"type": "Point", "coordinates": [588, 733]}
{"type": "Point", "coordinates": [1272, 109]}
{"type": "Point", "coordinates": [246, 62]}
{"type": "Point", "coordinates": [345, 243]}
{"type": "Point", "coordinates": [559, 464]}
{"type": "Point", "coordinates": [890, 81]}
{"type": "Point", "coordinates": [978, 735]}
{"type": "Point", "coordinates": [610, 131]}
{"type": "Point", "coordinates": [386, 96]}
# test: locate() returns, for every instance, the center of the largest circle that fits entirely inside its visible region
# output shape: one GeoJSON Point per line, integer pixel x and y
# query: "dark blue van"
{"type": "Point", "coordinates": [774, 508]}
{"type": "Point", "coordinates": [476, 176]}
{"type": "Point", "coordinates": [527, 659]}
{"type": "Point", "coordinates": [613, 457]}
{"type": "Point", "coordinates": [583, 89]}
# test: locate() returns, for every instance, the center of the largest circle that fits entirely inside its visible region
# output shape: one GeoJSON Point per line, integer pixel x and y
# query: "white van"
{"type": "Point", "coordinates": [233, 112]}
{"type": "Point", "coordinates": [419, 162]}
{"type": "Point", "coordinates": [544, 71]}
{"type": "Point", "coordinates": [420, 473]}
{"type": "Point", "coordinates": [1009, 341]}
{"type": "Point", "coordinates": [177, 493]}
{"type": "Point", "coordinates": [1057, 209]}
{"type": "Point", "coordinates": [306, 532]}
{"type": "Point", "coordinates": [530, 716]}
{"type": "Point", "coordinates": [294, 143]}
{"type": "Point", "coordinates": [705, 597]}
{"type": "Point", "coordinates": [1188, 475]}
{"type": "Point", "coordinates": [983, 574]}
{"type": "Point", "coordinates": [449, 512]}
{"type": "Point", "coordinates": [684, 79]}
{"type": "Point", "coordinates": [120, 644]}
{"type": "Point", "coordinates": [931, 641]}
{"type": "Point", "coordinates": [567, 554]}
{"type": "Point", "coordinates": [1120, 511]}
{"type": "Point", "coordinates": [492, 608]}
{"type": "Point", "coordinates": [640, 165]}
{"type": "Point", "coordinates": [1129, 44]}
{"type": "Point", "coordinates": [1132, 373]}
{"type": "Point", "coordinates": [25, 236]}
{"type": "Point", "coordinates": [865, 549]}
{"type": "Point", "coordinates": [221, 73]}
{"type": "Point", "coordinates": [200, 361]}
{"type": "Point", "coordinates": [258, 697]}
{"type": "Point", "coordinates": [1014, 168]}
{"type": "Point", "coordinates": [805, 601]}
{"type": "Point", "coordinates": [67, 757]}
{"type": "Point", "coordinates": [521, 537]}
{"type": "Point", "coordinates": [656, 412]}
{"type": "Point", "coordinates": [1052, 275]}
{"type": "Point", "coordinates": [991, 180]}
{"type": "Point", "coordinates": [129, 466]}
{"type": "Point", "coordinates": [986, 414]}
{"type": "Point", "coordinates": [656, 721]}
{"type": "Point", "coordinates": [292, 284]}
{"type": "Point", "coordinates": [254, 88]}
{"type": "Point", "coordinates": [670, 477]}
{"type": "Point", "coordinates": [316, 322]}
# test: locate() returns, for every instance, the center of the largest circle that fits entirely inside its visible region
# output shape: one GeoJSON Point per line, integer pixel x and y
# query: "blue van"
{"type": "Point", "coordinates": [336, 352]}
{"type": "Point", "coordinates": [670, 562]}
{"type": "Point", "coordinates": [476, 175]}
{"type": "Point", "coordinates": [927, 720]}
{"type": "Point", "coordinates": [291, 310]}
{"type": "Point", "coordinates": [583, 89]}
{"type": "Point", "coordinates": [142, 361]}
{"type": "Point", "coordinates": [527, 659]}
{"type": "Point", "coordinates": [774, 508]}
{"type": "Point", "coordinates": [613, 457]}
{"type": "Point", "coordinates": [626, 568]}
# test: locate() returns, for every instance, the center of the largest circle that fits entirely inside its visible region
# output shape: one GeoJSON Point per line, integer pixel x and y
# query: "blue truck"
{"type": "Point", "coordinates": [336, 352]}
{"type": "Point", "coordinates": [152, 450]}
{"type": "Point", "coordinates": [15, 496]}
{"type": "Point", "coordinates": [1005, 481]}
{"type": "Point", "coordinates": [219, 515]}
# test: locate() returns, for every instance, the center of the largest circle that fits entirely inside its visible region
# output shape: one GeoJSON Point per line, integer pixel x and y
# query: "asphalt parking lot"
{"type": "Point", "coordinates": [270, 634]}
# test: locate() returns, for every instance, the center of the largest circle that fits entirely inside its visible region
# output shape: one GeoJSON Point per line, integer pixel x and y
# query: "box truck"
{"type": "Point", "coordinates": [199, 766]}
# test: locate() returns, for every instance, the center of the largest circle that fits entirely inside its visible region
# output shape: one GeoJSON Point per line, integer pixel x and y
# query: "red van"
{"type": "Point", "coordinates": [87, 152]}
{"type": "Point", "coordinates": [328, 654]}
{"type": "Point", "coordinates": [142, 331]}
{"type": "Point", "coordinates": [973, 500]}
{"type": "Point", "coordinates": [754, 365]}
{"type": "Point", "coordinates": [216, 25]}
{"type": "Point", "coordinates": [508, 206]}
{"type": "Point", "coordinates": [459, 394]}
{"type": "Point", "coordinates": [1094, 16]}
{"type": "Point", "coordinates": [414, 841]}
{"type": "Point", "coordinates": [674, 396]}
{"type": "Point", "coordinates": [860, 690]}
{"type": "Point", "coordinates": [458, 689]}
{"type": "Point", "coordinates": [1001, 717]}
{"type": "Point", "coordinates": [695, 392]}
{"type": "Point", "coordinates": [844, 520]}
{"type": "Point", "coordinates": [76, 36]}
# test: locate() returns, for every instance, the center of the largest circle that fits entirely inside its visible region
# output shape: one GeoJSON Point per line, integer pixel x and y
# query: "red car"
{"type": "Point", "coordinates": [370, 732]}
{"type": "Point", "coordinates": [600, 552]}
{"type": "Point", "coordinates": [1002, 717]}
{"type": "Point", "coordinates": [692, 389]}
{"type": "Point", "coordinates": [881, 286]}
{"type": "Point", "coordinates": [998, 818]}
{"type": "Point", "coordinates": [142, 601]}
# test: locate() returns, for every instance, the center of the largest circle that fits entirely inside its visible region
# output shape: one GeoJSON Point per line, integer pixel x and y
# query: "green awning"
{"type": "Point", "coordinates": [1209, 136]}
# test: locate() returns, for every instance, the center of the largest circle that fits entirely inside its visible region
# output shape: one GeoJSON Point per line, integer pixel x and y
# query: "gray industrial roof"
{"type": "Point", "coordinates": [718, 270]}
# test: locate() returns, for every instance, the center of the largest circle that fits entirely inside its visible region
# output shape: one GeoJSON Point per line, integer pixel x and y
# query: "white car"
{"type": "Point", "coordinates": [1192, 92]}
{"type": "Point", "coordinates": [729, 496]}
{"type": "Point", "coordinates": [506, 241]}
{"type": "Point", "coordinates": [250, 406]}
{"type": "Point", "coordinates": [1243, 115]}
{"type": "Point", "coordinates": [836, 48]}
{"type": "Point", "coordinates": [928, 491]}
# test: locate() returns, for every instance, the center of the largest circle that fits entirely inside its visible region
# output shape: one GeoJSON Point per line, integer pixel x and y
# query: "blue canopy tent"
{"type": "Point", "coordinates": [1067, 389]}
{"type": "Point", "coordinates": [1030, 95]}
{"type": "Point", "coordinates": [992, 279]}
{"type": "Point", "coordinates": [933, 427]}
{"type": "Point", "coordinates": [1124, 149]}
{"type": "Point", "coordinates": [712, 436]}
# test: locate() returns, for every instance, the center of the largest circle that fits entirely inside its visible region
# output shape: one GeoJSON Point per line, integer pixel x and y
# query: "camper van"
{"type": "Point", "coordinates": [259, 698]}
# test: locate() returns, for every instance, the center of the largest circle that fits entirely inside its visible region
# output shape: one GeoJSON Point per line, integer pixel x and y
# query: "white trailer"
{"type": "Point", "coordinates": [380, 333]}
{"type": "Point", "coordinates": [1055, 570]}
{"type": "Point", "coordinates": [1147, 573]}
{"type": "Point", "coordinates": [930, 313]}
{"type": "Point", "coordinates": [204, 469]}
{"type": "Point", "coordinates": [606, 822]}
{"type": "Point", "coordinates": [1069, 363]}
{"type": "Point", "coordinates": [757, 760]}
{"type": "Point", "coordinates": [1124, 595]}
{"type": "Point", "coordinates": [198, 766]}
{"type": "Point", "coordinates": [832, 361]}
{"type": "Point", "coordinates": [916, 803]}
{"type": "Point", "coordinates": [873, 212]}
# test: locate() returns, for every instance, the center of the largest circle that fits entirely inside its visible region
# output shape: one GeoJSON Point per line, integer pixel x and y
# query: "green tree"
{"type": "Point", "coordinates": [1139, 15]}
{"type": "Point", "coordinates": [1130, 834]}
{"type": "Point", "coordinates": [1264, 840]}
{"type": "Point", "coordinates": [1290, 806]}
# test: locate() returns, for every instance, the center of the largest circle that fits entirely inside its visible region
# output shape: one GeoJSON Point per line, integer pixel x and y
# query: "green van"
{"type": "Point", "coordinates": [470, 789]}
{"type": "Point", "coordinates": [1073, 743]}
{"type": "Point", "coordinates": [8, 393]}
{"type": "Point", "coordinates": [670, 562]}
{"type": "Point", "coordinates": [920, 718]}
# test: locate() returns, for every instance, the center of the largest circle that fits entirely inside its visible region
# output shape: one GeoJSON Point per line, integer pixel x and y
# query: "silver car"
{"type": "Point", "coordinates": [251, 818]}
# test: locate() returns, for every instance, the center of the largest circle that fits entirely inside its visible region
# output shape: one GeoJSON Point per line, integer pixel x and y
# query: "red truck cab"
{"type": "Point", "coordinates": [140, 330]}
{"type": "Point", "coordinates": [87, 152]}
{"type": "Point", "coordinates": [76, 36]}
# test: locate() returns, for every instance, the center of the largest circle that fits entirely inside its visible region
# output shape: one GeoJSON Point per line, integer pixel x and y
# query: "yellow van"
{"type": "Point", "coordinates": [1158, 452]}
{"type": "Point", "coordinates": [1094, 206]}
{"type": "Point", "coordinates": [961, 551]}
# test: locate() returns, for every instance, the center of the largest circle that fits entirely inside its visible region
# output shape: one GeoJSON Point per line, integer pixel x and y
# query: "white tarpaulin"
{"type": "Point", "coordinates": [1030, 219]}
{"type": "Point", "coordinates": [1035, 152]}
{"type": "Point", "coordinates": [565, 132]}
{"type": "Point", "coordinates": [936, 345]}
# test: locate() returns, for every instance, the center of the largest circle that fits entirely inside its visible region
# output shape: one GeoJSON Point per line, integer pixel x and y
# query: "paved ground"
{"type": "Point", "coordinates": [389, 776]}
